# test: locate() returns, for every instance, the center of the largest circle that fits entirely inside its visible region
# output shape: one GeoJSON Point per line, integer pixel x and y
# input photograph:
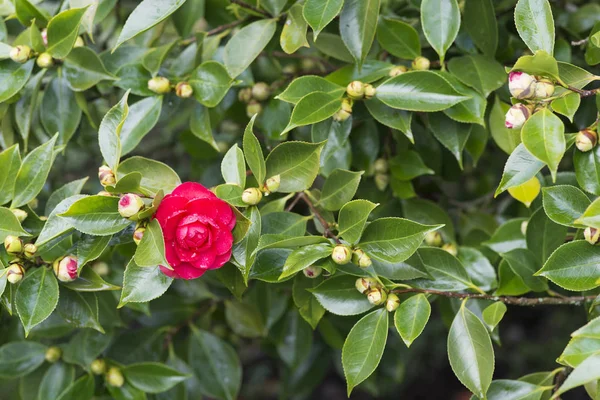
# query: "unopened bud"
{"type": "Point", "coordinates": [397, 70]}
{"type": "Point", "coordinates": [29, 250]}
{"type": "Point", "coordinates": [516, 116]}
{"type": "Point", "coordinates": [369, 91]}
{"type": "Point", "coordinates": [272, 184]}
{"type": "Point", "coordinates": [101, 268]}
{"type": "Point", "coordinates": [79, 42]}
{"type": "Point", "coordinates": [544, 88]}
{"type": "Point", "coordinates": [382, 181]}
{"type": "Point", "coordinates": [65, 268]}
{"type": "Point", "coordinates": [308, 64]}
{"type": "Point", "coordinates": [53, 354]}
{"type": "Point", "coordinates": [421, 64]}
{"type": "Point", "coordinates": [33, 204]}
{"type": "Point", "coordinates": [381, 166]}
{"type": "Point", "coordinates": [130, 204]}
{"type": "Point", "coordinates": [521, 85]}
{"type": "Point", "coordinates": [433, 239]}
{"type": "Point", "coordinates": [223, 146]}
{"type": "Point", "coordinates": [341, 254]}
{"type": "Point", "coordinates": [252, 196]}
{"type": "Point", "coordinates": [290, 69]}
{"type": "Point", "coordinates": [345, 112]}
{"type": "Point", "coordinates": [450, 248]}
{"type": "Point", "coordinates": [355, 90]}
{"type": "Point", "coordinates": [138, 234]}
{"type": "Point", "coordinates": [44, 34]}
{"type": "Point", "coordinates": [313, 271]}
{"type": "Point", "coordinates": [245, 95]}
{"type": "Point", "coordinates": [184, 90]}
{"type": "Point", "coordinates": [114, 377]}
{"type": "Point", "coordinates": [363, 285]}
{"type": "Point", "coordinates": [20, 214]}
{"type": "Point", "coordinates": [44, 60]}
{"type": "Point", "coordinates": [524, 225]}
{"type": "Point", "coordinates": [253, 108]}
{"type": "Point", "coordinates": [591, 235]}
{"type": "Point", "coordinates": [376, 296]}
{"type": "Point", "coordinates": [159, 85]}
{"type": "Point", "coordinates": [586, 140]}
{"type": "Point", "coordinates": [360, 258]}
{"type": "Point", "coordinates": [261, 91]}
{"type": "Point", "coordinates": [106, 176]}
{"type": "Point", "coordinates": [13, 244]}
{"type": "Point", "coordinates": [15, 273]}
{"type": "Point", "coordinates": [392, 302]}
{"type": "Point", "coordinates": [20, 53]}
{"type": "Point", "coordinates": [98, 366]}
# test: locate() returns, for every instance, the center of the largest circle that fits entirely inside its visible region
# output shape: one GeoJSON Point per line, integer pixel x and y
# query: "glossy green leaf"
{"type": "Point", "coordinates": [587, 371]}
{"type": "Point", "coordinates": [88, 280]}
{"type": "Point", "coordinates": [308, 306]}
{"type": "Point", "coordinates": [543, 136]}
{"type": "Point", "coordinates": [398, 38]}
{"type": "Point", "coordinates": [37, 297]}
{"type": "Point", "coordinates": [394, 118]}
{"type": "Point", "coordinates": [60, 111]}
{"type": "Point", "coordinates": [63, 30]}
{"type": "Point", "coordinates": [19, 358]}
{"type": "Point", "coordinates": [83, 69]}
{"type": "Point", "coordinates": [304, 257]}
{"type": "Point", "coordinates": [352, 219]}
{"type": "Point", "coordinates": [552, 235]}
{"type": "Point", "coordinates": [574, 266]}
{"type": "Point", "coordinates": [233, 167]}
{"type": "Point", "coordinates": [411, 317]}
{"type": "Point", "coordinates": [338, 295]}
{"type": "Point", "coordinates": [535, 24]}
{"type": "Point", "coordinates": [507, 237]}
{"type": "Point", "coordinates": [253, 153]}
{"type": "Point", "coordinates": [297, 164]}
{"type": "Point", "coordinates": [451, 134]}
{"type": "Point", "coordinates": [79, 309]}
{"type": "Point", "coordinates": [564, 204]}
{"type": "Point", "coordinates": [13, 76]}
{"type": "Point", "coordinates": [339, 189]}
{"type": "Point", "coordinates": [151, 250]}
{"type": "Point", "coordinates": [156, 176]}
{"type": "Point", "coordinates": [586, 171]}
{"type": "Point", "coordinates": [445, 271]}
{"type": "Point", "coordinates": [81, 389]}
{"type": "Point", "coordinates": [200, 125]}
{"type": "Point", "coordinates": [507, 139]}
{"type": "Point", "coordinates": [319, 13]}
{"type": "Point", "coordinates": [142, 284]}
{"type": "Point", "coordinates": [312, 108]}
{"type": "Point", "coordinates": [96, 215]}
{"type": "Point", "coordinates": [567, 105]}
{"type": "Point", "coordinates": [524, 264]}
{"type": "Point", "coordinates": [247, 44]}
{"type": "Point", "coordinates": [152, 377]}
{"type": "Point", "coordinates": [244, 250]}
{"type": "Point", "coordinates": [26, 106]}
{"type": "Point", "coordinates": [110, 132]}
{"type": "Point", "coordinates": [480, 23]}
{"type": "Point", "coordinates": [358, 23]}
{"type": "Point", "coordinates": [140, 120]}
{"type": "Point", "coordinates": [520, 167]}
{"type": "Point", "coordinates": [10, 225]}
{"type": "Point", "coordinates": [293, 34]}
{"type": "Point", "coordinates": [482, 73]}
{"type": "Point", "coordinates": [440, 20]}
{"type": "Point", "coordinates": [210, 82]}
{"type": "Point", "coordinates": [493, 314]}
{"type": "Point", "coordinates": [10, 162]}
{"type": "Point", "coordinates": [26, 11]}
{"type": "Point", "coordinates": [308, 84]}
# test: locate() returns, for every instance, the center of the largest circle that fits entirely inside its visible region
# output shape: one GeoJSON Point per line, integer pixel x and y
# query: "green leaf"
{"type": "Point", "coordinates": [20, 358]}
{"type": "Point", "coordinates": [564, 204]}
{"type": "Point", "coordinates": [309, 307]}
{"type": "Point", "coordinates": [574, 266]}
{"type": "Point", "coordinates": [304, 257]}
{"type": "Point", "coordinates": [520, 167]}
{"type": "Point", "coordinates": [28, 101]}
{"type": "Point", "coordinates": [247, 44]}
{"type": "Point", "coordinates": [358, 23]}
{"type": "Point", "coordinates": [216, 365]}
{"type": "Point", "coordinates": [96, 215]}
{"type": "Point", "coordinates": [524, 264]}
{"type": "Point", "coordinates": [140, 120]}
{"type": "Point", "coordinates": [480, 23]}
{"type": "Point", "coordinates": [319, 13]}
{"type": "Point", "coordinates": [33, 173]}
{"type": "Point", "coordinates": [154, 57]}
{"type": "Point", "coordinates": [245, 319]}
{"type": "Point", "coordinates": [446, 271]}
{"type": "Point", "coordinates": [541, 63]}
{"type": "Point", "coordinates": [453, 135]}
{"type": "Point", "coordinates": [586, 372]}
{"type": "Point", "coordinates": [63, 30]}
{"type": "Point", "coordinates": [339, 296]}
{"type": "Point", "coordinates": [482, 73]}
{"type": "Point", "coordinates": [398, 38]}
{"type": "Point", "coordinates": [364, 347]}
{"type": "Point", "coordinates": [284, 223]}
{"type": "Point", "coordinates": [210, 82]}
{"type": "Point", "coordinates": [10, 225]}
{"type": "Point", "coordinates": [200, 125]}
{"type": "Point", "coordinates": [470, 352]}
{"type": "Point", "coordinates": [312, 108]}
{"type": "Point", "coordinates": [591, 215]}
{"type": "Point", "coordinates": [440, 20]}
{"type": "Point", "coordinates": [142, 284]}
{"type": "Point", "coordinates": [393, 239]}
{"type": "Point", "coordinates": [339, 189]}
{"type": "Point", "coordinates": [59, 110]}
{"type": "Point", "coordinates": [89, 281]}
{"type": "Point", "coordinates": [308, 84]}
{"type": "Point", "coordinates": [397, 119]}
{"type": "Point", "coordinates": [567, 105]}
{"type": "Point", "coordinates": [353, 218]}
{"type": "Point", "coordinates": [151, 250]}
{"type": "Point", "coordinates": [253, 153]}
{"type": "Point", "coordinates": [586, 170]}
{"type": "Point", "coordinates": [535, 24]}
{"type": "Point", "coordinates": [297, 164]}
{"type": "Point", "coordinates": [13, 76]}
{"type": "Point", "coordinates": [146, 15]}
{"type": "Point", "coordinates": [10, 162]}
{"type": "Point", "coordinates": [56, 227]}
{"type": "Point", "coordinates": [233, 167]}
{"type": "Point", "coordinates": [79, 309]}
{"type": "Point", "coordinates": [85, 346]}
{"type": "Point", "coordinates": [231, 193]}
{"type": "Point", "coordinates": [110, 132]}
{"type": "Point", "coordinates": [244, 250]}
{"type": "Point", "coordinates": [293, 34]}
{"type": "Point", "coordinates": [152, 377]}
{"type": "Point", "coordinates": [552, 235]}
{"type": "Point", "coordinates": [544, 136]}
{"type": "Point", "coordinates": [493, 314]}
{"type": "Point", "coordinates": [90, 248]}
{"type": "Point", "coordinates": [590, 330]}
{"type": "Point", "coordinates": [332, 45]}
{"type": "Point", "coordinates": [419, 91]}
{"type": "Point", "coordinates": [37, 297]}
{"type": "Point", "coordinates": [156, 176]}
{"type": "Point", "coordinates": [429, 213]}
{"type": "Point", "coordinates": [81, 389]}
{"type": "Point", "coordinates": [411, 317]}
{"type": "Point", "coordinates": [26, 12]}
{"type": "Point", "coordinates": [507, 237]}
{"type": "Point", "coordinates": [83, 69]}
{"type": "Point", "coordinates": [337, 152]}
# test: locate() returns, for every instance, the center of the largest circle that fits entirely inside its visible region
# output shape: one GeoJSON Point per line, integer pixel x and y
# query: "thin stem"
{"type": "Point", "coordinates": [224, 27]}
{"type": "Point", "coordinates": [516, 301]}
{"type": "Point", "coordinates": [326, 228]}
{"type": "Point", "coordinates": [251, 8]}
{"type": "Point", "coordinates": [583, 92]}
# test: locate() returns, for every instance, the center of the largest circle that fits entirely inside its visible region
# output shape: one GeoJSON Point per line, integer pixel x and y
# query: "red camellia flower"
{"type": "Point", "coordinates": [196, 226]}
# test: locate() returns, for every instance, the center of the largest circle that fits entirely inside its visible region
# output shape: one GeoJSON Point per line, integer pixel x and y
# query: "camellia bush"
{"type": "Point", "coordinates": [299, 199]}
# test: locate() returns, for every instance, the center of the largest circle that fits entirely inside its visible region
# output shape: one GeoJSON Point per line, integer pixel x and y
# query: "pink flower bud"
{"type": "Point", "coordinates": [65, 268]}
{"type": "Point", "coordinates": [516, 116]}
{"type": "Point", "coordinates": [106, 176]}
{"type": "Point", "coordinates": [44, 34]}
{"type": "Point", "coordinates": [521, 85]}
{"type": "Point", "coordinates": [130, 204]}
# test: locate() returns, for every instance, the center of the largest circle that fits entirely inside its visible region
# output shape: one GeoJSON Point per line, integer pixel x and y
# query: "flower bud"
{"type": "Point", "coordinates": [308, 64]}
{"type": "Point", "coordinates": [252, 196]}
{"type": "Point", "coordinates": [79, 42]}
{"type": "Point", "coordinates": [44, 34]}
{"type": "Point", "coordinates": [341, 254]}
{"type": "Point", "coordinates": [450, 248]}
{"type": "Point", "coordinates": [421, 64]}
{"type": "Point", "coordinates": [15, 273]}
{"type": "Point", "coordinates": [20, 214]}
{"type": "Point", "coordinates": [245, 95]}
{"type": "Point", "coordinates": [524, 225]}
{"type": "Point", "coordinates": [397, 70]}
{"type": "Point", "coordinates": [101, 268]}
{"type": "Point", "coordinates": [254, 107]}
{"type": "Point", "coordinates": [345, 112]}
{"type": "Point", "coordinates": [369, 91]}
{"type": "Point", "coordinates": [261, 91]}
{"type": "Point", "coordinates": [138, 234]}
{"type": "Point", "coordinates": [290, 69]}
{"type": "Point", "coordinates": [376, 296]}
{"type": "Point", "coordinates": [433, 239]}
{"type": "Point", "coordinates": [130, 204]}
{"type": "Point", "coordinates": [53, 354]}
{"type": "Point", "coordinates": [272, 184]}
{"type": "Point", "coordinates": [382, 181]}
{"type": "Point", "coordinates": [591, 235]}
{"type": "Point", "coordinates": [106, 176]}
{"type": "Point", "coordinates": [380, 166]}
{"type": "Point", "coordinates": [586, 140]}
{"type": "Point", "coordinates": [20, 53]}
{"type": "Point", "coordinates": [313, 271]}
{"type": "Point", "coordinates": [33, 204]}
{"type": "Point", "coordinates": [44, 60]}
{"type": "Point", "coordinates": [392, 302]}
{"type": "Point", "coordinates": [521, 85]}
{"type": "Point", "coordinates": [544, 88]}
{"type": "Point", "coordinates": [98, 366]}
{"type": "Point", "coordinates": [355, 90]}
{"type": "Point", "coordinates": [159, 85]}
{"type": "Point", "coordinates": [516, 116]}
{"type": "Point", "coordinates": [65, 268]}
{"type": "Point", "coordinates": [360, 258]}
{"type": "Point", "coordinates": [13, 244]}
{"type": "Point", "coordinates": [223, 146]}
{"type": "Point", "coordinates": [363, 285]}
{"type": "Point", "coordinates": [29, 250]}
{"type": "Point", "coordinates": [184, 90]}
{"type": "Point", "coordinates": [114, 377]}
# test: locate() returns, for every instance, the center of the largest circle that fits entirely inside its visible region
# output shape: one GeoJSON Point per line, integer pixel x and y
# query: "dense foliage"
{"type": "Point", "coordinates": [283, 192]}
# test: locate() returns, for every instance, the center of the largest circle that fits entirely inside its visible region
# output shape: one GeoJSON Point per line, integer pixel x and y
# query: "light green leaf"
{"type": "Point", "coordinates": [304, 257]}
{"type": "Point", "coordinates": [36, 298]}
{"type": "Point", "coordinates": [59, 110]}
{"type": "Point", "coordinates": [110, 132]}
{"type": "Point", "coordinates": [398, 38]}
{"type": "Point", "coordinates": [319, 13]}
{"type": "Point", "coordinates": [564, 204]}
{"type": "Point", "coordinates": [591, 215]}
{"type": "Point", "coordinates": [507, 237]}
{"type": "Point", "coordinates": [586, 372]}
{"type": "Point", "coordinates": [141, 118]}
{"type": "Point", "coordinates": [210, 82]}
{"type": "Point", "coordinates": [142, 284]}
{"type": "Point", "coordinates": [244, 250]}
{"type": "Point", "coordinates": [339, 296]}
{"type": "Point", "coordinates": [10, 225]}
{"type": "Point", "coordinates": [26, 12]}
{"type": "Point", "coordinates": [445, 271]}
{"type": "Point", "coordinates": [506, 139]}
{"type": "Point", "coordinates": [56, 227]}
{"type": "Point", "coordinates": [156, 176]}
{"type": "Point", "coordinates": [520, 167]}
{"type": "Point", "coordinates": [574, 266]}
{"type": "Point", "coordinates": [307, 84]}
{"type": "Point", "coordinates": [200, 125]}
{"type": "Point", "coordinates": [312, 108]}
{"type": "Point", "coordinates": [151, 250]}
{"type": "Point", "coordinates": [63, 30]}
{"type": "Point", "coordinates": [358, 23]}
{"type": "Point", "coordinates": [567, 105]}
{"type": "Point", "coordinates": [10, 162]}
{"type": "Point", "coordinates": [308, 306]}
{"type": "Point", "coordinates": [233, 167]}
{"type": "Point", "coordinates": [339, 188]}
{"type": "Point", "coordinates": [253, 153]}
{"type": "Point", "coordinates": [293, 34]}
{"type": "Point", "coordinates": [541, 63]}
{"type": "Point", "coordinates": [411, 317]}
{"type": "Point", "coordinates": [394, 118]}
{"type": "Point", "coordinates": [544, 136]}
{"type": "Point", "coordinates": [96, 215]}
{"type": "Point", "coordinates": [493, 314]}
{"type": "Point", "coordinates": [440, 20]}
{"type": "Point", "coordinates": [152, 377]}
{"type": "Point", "coordinates": [353, 218]}
{"type": "Point", "coordinates": [13, 76]}
{"type": "Point", "coordinates": [247, 44]}
{"type": "Point", "coordinates": [297, 164]}
{"type": "Point", "coordinates": [586, 171]}
{"type": "Point", "coordinates": [482, 73]}
{"type": "Point", "coordinates": [535, 24]}
{"type": "Point", "coordinates": [83, 69]}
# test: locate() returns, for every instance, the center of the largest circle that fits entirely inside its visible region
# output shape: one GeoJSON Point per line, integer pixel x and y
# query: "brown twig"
{"type": "Point", "coordinates": [224, 27]}
{"type": "Point", "coordinates": [515, 301]}
{"type": "Point", "coordinates": [560, 378]}
{"type": "Point", "coordinates": [326, 228]}
{"type": "Point", "coordinates": [251, 8]}
{"type": "Point", "coordinates": [583, 92]}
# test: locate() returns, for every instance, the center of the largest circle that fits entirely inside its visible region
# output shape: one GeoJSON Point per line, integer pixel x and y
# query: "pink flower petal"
{"type": "Point", "coordinates": [223, 241]}
{"type": "Point", "coordinates": [169, 272]}
{"type": "Point", "coordinates": [187, 271]}
{"type": "Point", "coordinates": [170, 205]}
{"type": "Point", "coordinates": [216, 209]}
{"type": "Point", "coordinates": [193, 190]}
{"type": "Point", "coordinates": [221, 260]}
